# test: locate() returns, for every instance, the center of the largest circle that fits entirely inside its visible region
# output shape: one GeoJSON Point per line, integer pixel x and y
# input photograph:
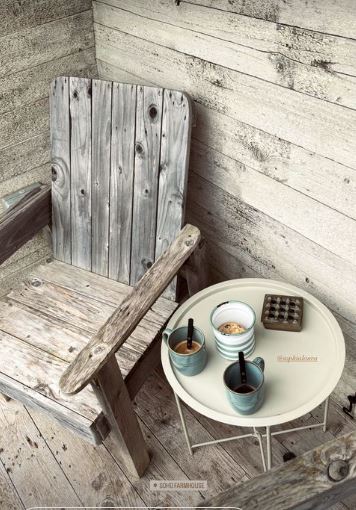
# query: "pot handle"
{"type": "Point", "coordinates": [260, 362]}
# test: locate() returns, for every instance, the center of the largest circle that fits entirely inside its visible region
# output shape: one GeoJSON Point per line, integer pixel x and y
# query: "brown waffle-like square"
{"type": "Point", "coordinates": [282, 312]}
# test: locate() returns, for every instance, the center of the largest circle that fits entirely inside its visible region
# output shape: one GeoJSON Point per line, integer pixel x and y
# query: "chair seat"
{"type": "Point", "coordinates": [47, 320]}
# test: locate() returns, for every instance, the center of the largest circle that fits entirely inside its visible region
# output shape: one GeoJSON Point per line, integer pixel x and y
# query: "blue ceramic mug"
{"type": "Point", "coordinates": [187, 364]}
{"type": "Point", "coordinates": [243, 401]}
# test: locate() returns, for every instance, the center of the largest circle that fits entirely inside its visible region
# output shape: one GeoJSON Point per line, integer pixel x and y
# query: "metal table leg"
{"type": "Point", "coordinates": [183, 424]}
{"type": "Point", "coordinates": [326, 409]}
{"type": "Point", "coordinates": [269, 448]}
{"type": "Point", "coordinates": [258, 434]}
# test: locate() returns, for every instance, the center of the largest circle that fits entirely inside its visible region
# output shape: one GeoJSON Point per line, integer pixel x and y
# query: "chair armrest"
{"type": "Point", "coordinates": [126, 317]}
{"type": "Point", "coordinates": [22, 221]}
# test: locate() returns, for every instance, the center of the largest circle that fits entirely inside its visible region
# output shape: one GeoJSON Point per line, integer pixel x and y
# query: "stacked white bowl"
{"type": "Point", "coordinates": [229, 345]}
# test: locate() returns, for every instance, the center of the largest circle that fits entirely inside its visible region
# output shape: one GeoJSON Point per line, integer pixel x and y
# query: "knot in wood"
{"type": "Point", "coordinates": [139, 148]}
{"type": "Point", "coordinates": [189, 242]}
{"type": "Point", "coordinates": [152, 111]}
{"type": "Point", "coordinates": [36, 282]}
{"type": "Point", "coordinates": [98, 349]}
{"type": "Point", "coordinates": [338, 470]}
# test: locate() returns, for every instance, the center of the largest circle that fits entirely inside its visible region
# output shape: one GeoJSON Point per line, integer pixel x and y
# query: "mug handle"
{"type": "Point", "coordinates": [165, 334]}
{"type": "Point", "coordinates": [260, 362]}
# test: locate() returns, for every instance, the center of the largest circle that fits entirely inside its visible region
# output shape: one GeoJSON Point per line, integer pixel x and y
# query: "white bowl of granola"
{"type": "Point", "coordinates": [233, 324]}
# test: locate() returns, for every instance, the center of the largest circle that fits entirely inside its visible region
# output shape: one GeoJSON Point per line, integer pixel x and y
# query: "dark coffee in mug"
{"type": "Point", "coordinates": [244, 388]}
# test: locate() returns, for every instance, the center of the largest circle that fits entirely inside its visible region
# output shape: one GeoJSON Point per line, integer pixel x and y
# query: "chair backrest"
{"type": "Point", "coordinates": [120, 156]}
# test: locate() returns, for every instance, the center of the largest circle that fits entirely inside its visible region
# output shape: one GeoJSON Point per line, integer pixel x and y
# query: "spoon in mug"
{"type": "Point", "coordinates": [242, 365]}
{"type": "Point", "coordinates": [190, 334]}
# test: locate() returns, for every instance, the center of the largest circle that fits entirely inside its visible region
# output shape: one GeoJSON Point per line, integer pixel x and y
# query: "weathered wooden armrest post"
{"type": "Point", "coordinates": [96, 363]}
{"type": "Point", "coordinates": [195, 270]}
{"type": "Point", "coordinates": [316, 480]}
{"type": "Point", "coordinates": [22, 221]}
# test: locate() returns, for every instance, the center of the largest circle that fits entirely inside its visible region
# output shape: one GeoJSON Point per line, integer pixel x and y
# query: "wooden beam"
{"type": "Point", "coordinates": [318, 479]}
{"type": "Point", "coordinates": [112, 394]}
{"type": "Point", "coordinates": [133, 308]}
{"type": "Point", "coordinates": [195, 270]}
{"type": "Point", "coordinates": [21, 222]}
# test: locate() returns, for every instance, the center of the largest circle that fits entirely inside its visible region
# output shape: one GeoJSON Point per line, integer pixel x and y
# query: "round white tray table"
{"type": "Point", "coordinates": [302, 368]}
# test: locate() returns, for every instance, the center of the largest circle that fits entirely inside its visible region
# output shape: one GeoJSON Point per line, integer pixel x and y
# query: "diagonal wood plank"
{"type": "Point", "coordinates": [37, 476]}
{"type": "Point", "coordinates": [80, 111]}
{"type": "Point", "coordinates": [41, 372]}
{"type": "Point", "coordinates": [155, 405]}
{"type": "Point", "coordinates": [9, 498]}
{"type": "Point", "coordinates": [97, 478]}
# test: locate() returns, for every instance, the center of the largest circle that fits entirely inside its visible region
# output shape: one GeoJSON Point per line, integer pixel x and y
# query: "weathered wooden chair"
{"type": "Point", "coordinates": [119, 170]}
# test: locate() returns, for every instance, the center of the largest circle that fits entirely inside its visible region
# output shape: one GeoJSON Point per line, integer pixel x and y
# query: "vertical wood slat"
{"type": "Point", "coordinates": [60, 155]}
{"type": "Point", "coordinates": [176, 131]}
{"type": "Point", "coordinates": [80, 110]}
{"type": "Point", "coordinates": [100, 182]}
{"type": "Point", "coordinates": [147, 157]}
{"type": "Point", "coordinates": [122, 175]}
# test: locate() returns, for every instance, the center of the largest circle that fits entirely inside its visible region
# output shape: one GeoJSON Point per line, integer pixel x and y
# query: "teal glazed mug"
{"type": "Point", "coordinates": [245, 398]}
{"type": "Point", "coordinates": [186, 364]}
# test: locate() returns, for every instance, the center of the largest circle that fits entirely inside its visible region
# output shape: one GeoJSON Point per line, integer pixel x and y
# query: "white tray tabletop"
{"type": "Point", "coordinates": [292, 388]}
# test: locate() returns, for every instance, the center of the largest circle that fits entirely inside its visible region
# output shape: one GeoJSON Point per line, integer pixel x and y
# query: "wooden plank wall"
{"type": "Point", "coordinates": [273, 169]}
{"type": "Point", "coordinates": [39, 39]}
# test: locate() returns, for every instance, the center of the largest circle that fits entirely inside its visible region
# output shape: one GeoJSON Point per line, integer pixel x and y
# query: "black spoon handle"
{"type": "Point", "coordinates": [242, 364]}
{"type": "Point", "coordinates": [190, 334]}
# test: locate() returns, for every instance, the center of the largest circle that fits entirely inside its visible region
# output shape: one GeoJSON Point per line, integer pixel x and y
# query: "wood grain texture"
{"type": "Point", "coordinates": [38, 387]}
{"type": "Point", "coordinates": [124, 320]}
{"type": "Point", "coordinates": [253, 239]}
{"type": "Point", "coordinates": [294, 12]}
{"type": "Point", "coordinates": [31, 84]}
{"type": "Point", "coordinates": [300, 119]}
{"type": "Point", "coordinates": [23, 221]}
{"type": "Point", "coordinates": [14, 17]}
{"type": "Point", "coordinates": [36, 47]}
{"type": "Point", "coordinates": [60, 156]}
{"type": "Point", "coordinates": [122, 178]}
{"type": "Point", "coordinates": [111, 391]}
{"type": "Point", "coordinates": [100, 478]}
{"type": "Point", "coordinates": [29, 48]}
{"type": "Point", "coordinates": [158, 410]}
{"type": "Point", "coordinates": [173, 172]}
{"type": "Point", "coordinates": [48, 320]}
{"type": "Point", "coordinates": [283, 190]}
{"type": "Point", "coordinates": [315, 480]}
{"type": "Point", "coordinates": [80, 175]}
{"type": "Point", "coordinates": [31, 458]}
{"type": "Point", "coordinates": [97, 479]}
{"type": "Point", "coordinates": [100, 185]}
{"type": "Point", "coordinates": [57, 295]}
{"type": "Point", "coordinates": [9, 498]}
{"type": "Point", "coordinates": [147, 158]}
{"type": "Point", "coordinates": [309, 62]}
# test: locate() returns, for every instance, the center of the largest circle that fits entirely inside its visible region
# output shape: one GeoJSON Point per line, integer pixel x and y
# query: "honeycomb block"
{"type": "Point", "coordinates": [282, 312]}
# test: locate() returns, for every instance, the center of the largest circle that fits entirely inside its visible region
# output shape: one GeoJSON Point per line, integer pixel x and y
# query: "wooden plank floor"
{"type": "Point", "coordinates": [44, 465]}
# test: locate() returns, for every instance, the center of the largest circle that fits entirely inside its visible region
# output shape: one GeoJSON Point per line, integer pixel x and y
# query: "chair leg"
{"type": "Point", "coordinates": [112, 394]}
